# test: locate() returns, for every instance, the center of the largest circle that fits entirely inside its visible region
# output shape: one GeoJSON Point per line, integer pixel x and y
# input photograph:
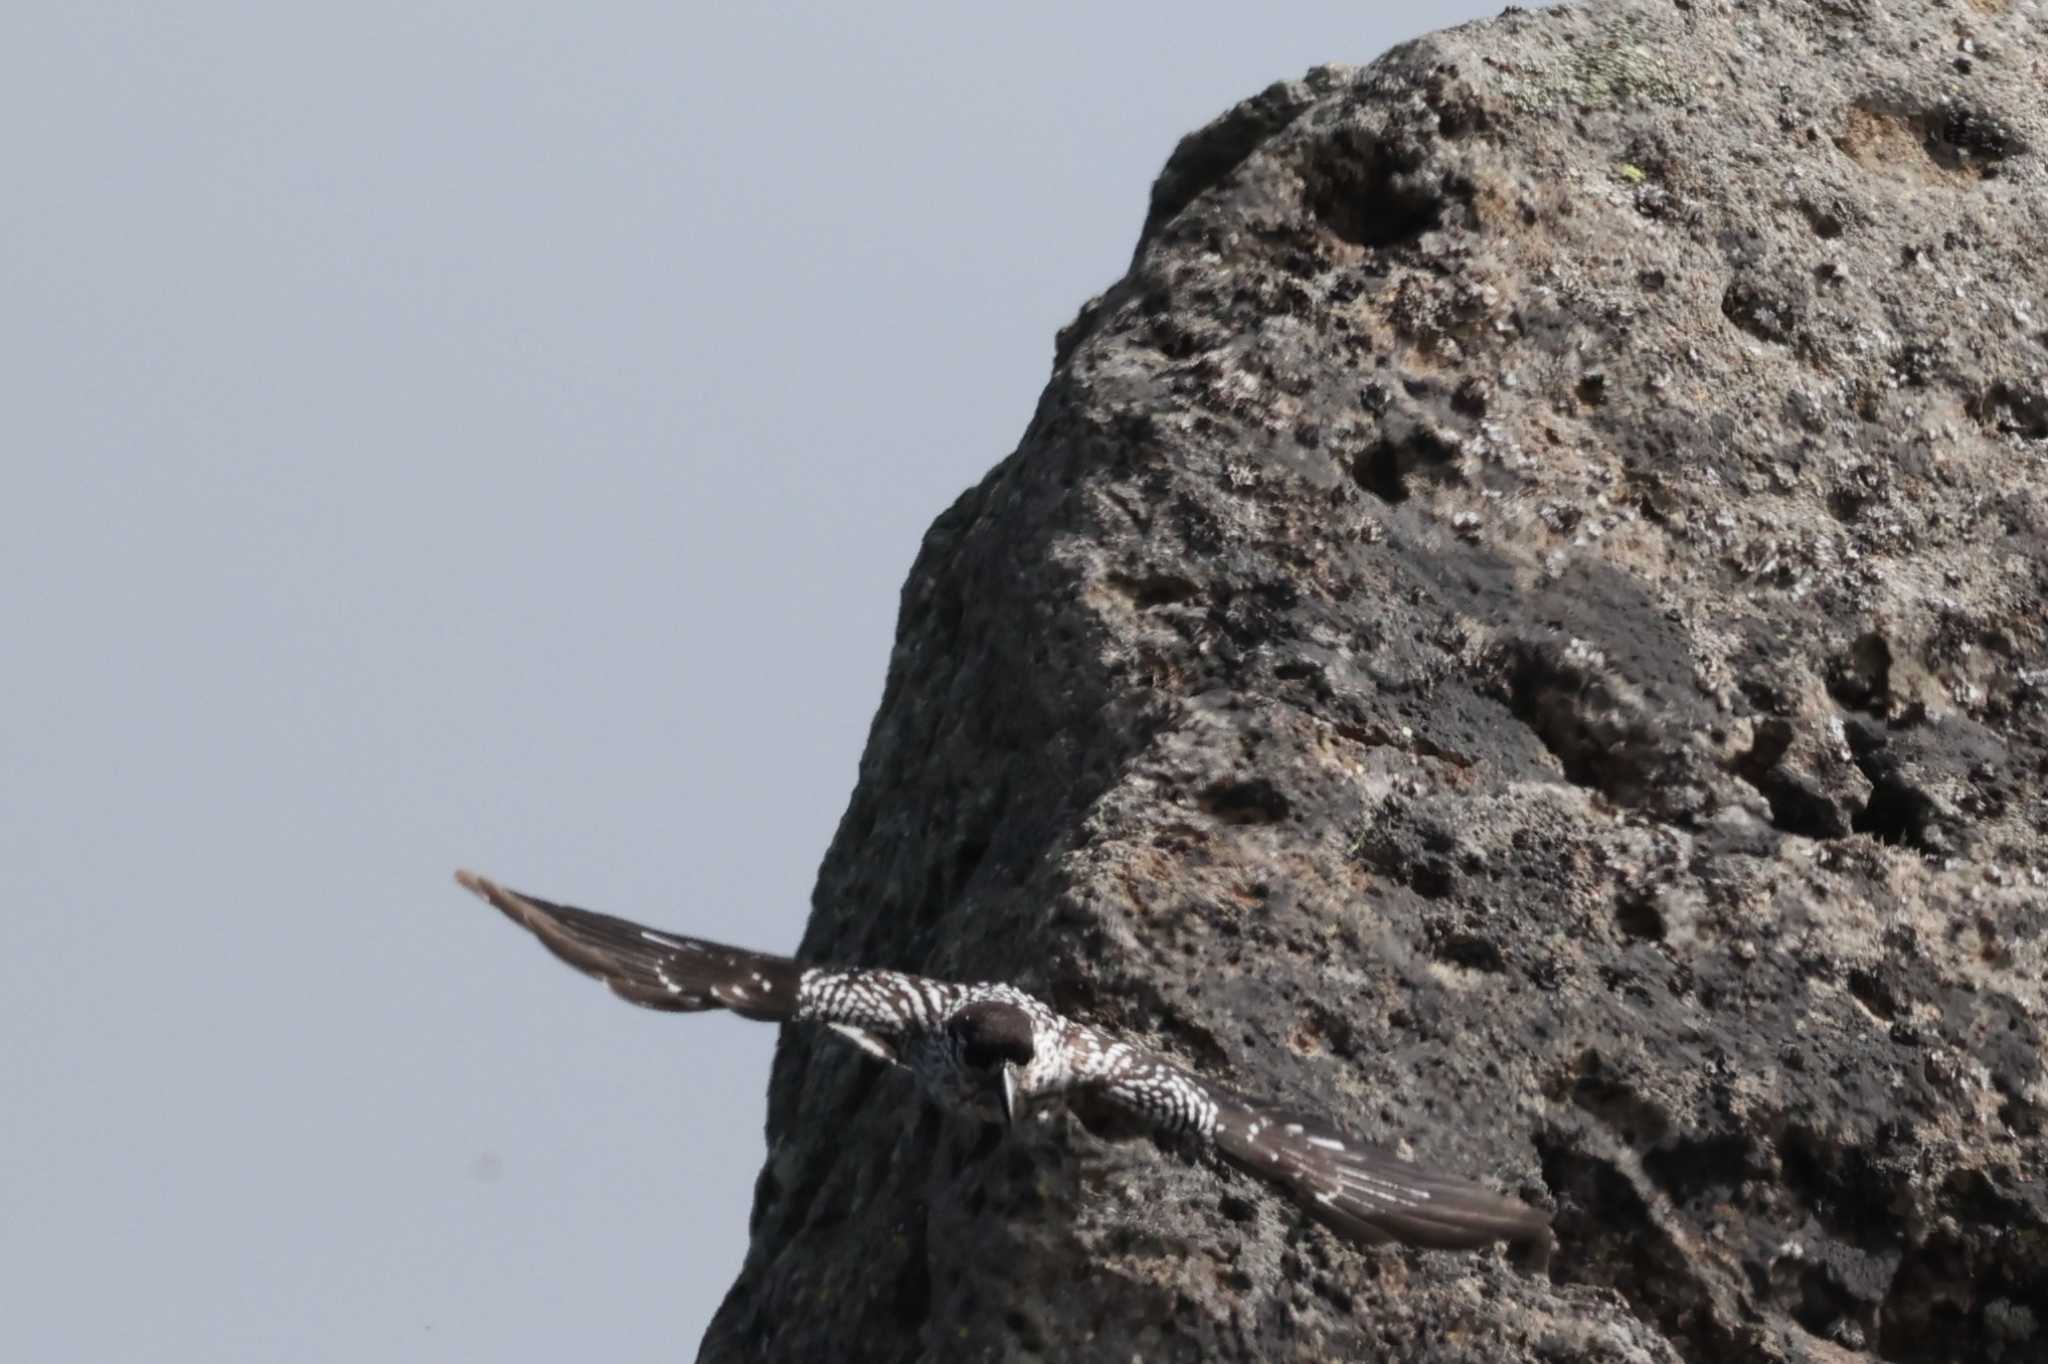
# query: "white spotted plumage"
{"type": "Point", "coordinates": [994, 1052]}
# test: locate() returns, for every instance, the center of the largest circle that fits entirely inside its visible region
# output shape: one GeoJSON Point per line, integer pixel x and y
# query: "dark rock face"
{"type": "Point", "coordinates": [1519, 623]}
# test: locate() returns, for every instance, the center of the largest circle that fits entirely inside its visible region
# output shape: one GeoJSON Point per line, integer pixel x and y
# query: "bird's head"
{"type": "Point", "coordinates": [996, 1040]}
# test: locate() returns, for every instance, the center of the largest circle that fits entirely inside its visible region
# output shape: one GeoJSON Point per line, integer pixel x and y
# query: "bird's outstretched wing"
{"type": "Point", "coordinates": [648, 967]}
{"type": "Point", "coordinates": [1370, 1195]}
{"type": "Point", "coordinates": [1360, 1192]}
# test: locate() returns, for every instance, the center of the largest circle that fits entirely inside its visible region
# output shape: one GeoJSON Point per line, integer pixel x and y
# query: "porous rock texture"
{"type": "Point", "coordinates": [1519, 624]}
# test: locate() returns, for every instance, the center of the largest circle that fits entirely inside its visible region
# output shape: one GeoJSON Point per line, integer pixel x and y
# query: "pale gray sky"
{"type": "Point", "coordinates": [484, 434]}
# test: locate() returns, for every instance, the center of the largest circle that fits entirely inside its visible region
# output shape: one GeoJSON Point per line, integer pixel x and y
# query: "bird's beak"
{"type": "Point", "coordinates": [1010, 1092]}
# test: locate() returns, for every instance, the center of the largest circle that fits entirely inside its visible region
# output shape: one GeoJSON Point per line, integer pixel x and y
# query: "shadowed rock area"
{"type": "Point", "coordinates": [1519, 624]}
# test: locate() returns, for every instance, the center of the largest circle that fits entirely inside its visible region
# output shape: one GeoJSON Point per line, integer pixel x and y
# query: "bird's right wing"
{"type": "Point", "coordinates": [1359, 1191]}
{"type": "Point", "coordinates": [648, 967]}
{"type": "Point", "coordinates": [1370, 1195]}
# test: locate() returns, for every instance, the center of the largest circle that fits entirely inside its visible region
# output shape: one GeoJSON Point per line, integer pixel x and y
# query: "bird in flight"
{"type": "Point", "coordinates": [991, 1051]}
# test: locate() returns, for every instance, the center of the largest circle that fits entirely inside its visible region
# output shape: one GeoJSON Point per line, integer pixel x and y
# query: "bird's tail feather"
{"type": "Point", "coordinates": [1370, 1195]}
{"type": "Point", "coordinates": [648, 967]}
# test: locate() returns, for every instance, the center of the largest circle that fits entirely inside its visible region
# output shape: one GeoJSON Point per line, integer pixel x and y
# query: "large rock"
{"type": "Point", "coordinates": [1519, 623]}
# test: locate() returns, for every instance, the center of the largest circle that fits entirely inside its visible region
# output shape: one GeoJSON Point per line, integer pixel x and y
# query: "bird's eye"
{"type": "Point", "coordinates": [988, 1036]}
{"type": "Point", "coordinates": [985, 1052]}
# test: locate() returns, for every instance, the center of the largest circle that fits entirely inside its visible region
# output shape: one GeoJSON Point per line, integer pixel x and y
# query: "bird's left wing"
{"type": "Point", "coordinates": [1361, 1192]}
{"type": "Point", "coordinates": [649, 967]}
{"type": "Point", "coordinates": [656, 969]}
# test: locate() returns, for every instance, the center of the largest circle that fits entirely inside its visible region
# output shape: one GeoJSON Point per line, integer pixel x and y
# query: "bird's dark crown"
{"type": "Point", "coordinates": [991, 1032]}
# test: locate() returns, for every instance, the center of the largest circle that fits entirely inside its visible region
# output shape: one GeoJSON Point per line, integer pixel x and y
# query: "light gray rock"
{"type": "Point", "coordinates": [1518, 623]}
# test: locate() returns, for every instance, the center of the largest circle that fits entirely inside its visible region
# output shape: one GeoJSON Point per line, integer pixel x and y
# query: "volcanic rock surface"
{"type": "Point", "coordinates": [1518, 623]}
